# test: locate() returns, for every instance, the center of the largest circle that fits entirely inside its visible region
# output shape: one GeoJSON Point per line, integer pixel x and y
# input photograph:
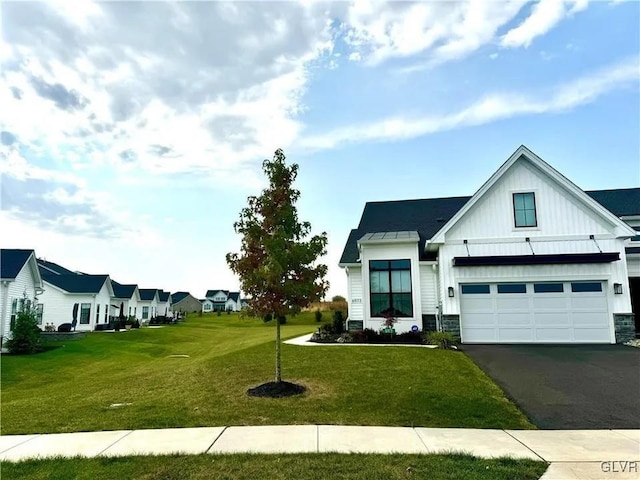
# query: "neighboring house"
{"type": "Point", "coordinates": [233, 302]}
{"type": "Point", "coordinates": [19, 278]}
{"type": "Point", "coordinates": [127, 298]}
{"type": "Point", "coordinates": [148, 304]}
{"type": "Point", "coordinates": [207, 305]}
{"type": "Point", "coordinates": [92, 294]}
{"type": "Point", "coordinates": [529, 258]}
{"type": "Point", "coordinates": [184, 302]}
{"type": "Point", "coordinates": [218, 299]}
{"type": "Point", "coordinates": [164, 304]}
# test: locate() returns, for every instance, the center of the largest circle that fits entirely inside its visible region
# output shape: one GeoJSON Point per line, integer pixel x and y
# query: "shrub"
{"type": "Point", "coordinates": [229, 312]}
{"type": "Point", "coordinates": [268, 317]}
{"type": "Point", "coordinates": [338, 322]}
{"type": "Point", "coordinates": [318, 315]}
{"type": "Point", "coordinates": [25, 333]}
{"type": "Point", "coordinates": [338, 298]}
{"type": "Point", "coordinates": [444, 340]}
{"type": "Point", "coordinates": [218, 313]}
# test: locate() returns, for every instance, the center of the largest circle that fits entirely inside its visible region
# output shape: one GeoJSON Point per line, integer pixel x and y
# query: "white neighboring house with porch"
{"type": "Point", "coordinates": [91, 293]}
{"type": "Point", "coordinates": [148, 305]}
{"type": "Point", "coordinates": [164, 304]}
{"type": "Point", "coordinates": [529, 258]}
{"type": "Point", "coordinates": [19, 278]}
{"type": "Point", "coordinates": [126, 297]}
{"type": "Point", "coordinates": [222, 300]}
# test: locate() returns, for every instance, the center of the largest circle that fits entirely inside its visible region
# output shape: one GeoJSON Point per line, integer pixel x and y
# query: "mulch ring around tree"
{"type": "Point", "coordinates": [276, 390]}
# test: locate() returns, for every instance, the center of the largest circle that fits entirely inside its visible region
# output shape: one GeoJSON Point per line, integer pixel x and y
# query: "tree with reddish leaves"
{"type": "Point", "coordinates": [278, 260]}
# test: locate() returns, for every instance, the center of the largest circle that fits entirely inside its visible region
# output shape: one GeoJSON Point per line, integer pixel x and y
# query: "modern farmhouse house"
{"type": "Point", "coordinates": [125, 298]}
{"type": "Point", "coordinates": [529, 258]}
{"type": "Point", "coordinates": [221, 300]}
{"type": "Point", "coordinates": [19, 280]}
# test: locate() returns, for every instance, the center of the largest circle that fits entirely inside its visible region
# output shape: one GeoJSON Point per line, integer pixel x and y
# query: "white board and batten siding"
{"type": "Point", "coordinates": [23, 284]}
{"type": "Point", "coordinates": [355, 293]}
{"type": "Point", "coordinates": [428, 288]}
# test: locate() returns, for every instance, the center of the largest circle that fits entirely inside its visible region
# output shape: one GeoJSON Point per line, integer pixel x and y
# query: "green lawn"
{"type": "Point", "coordinates": [71, 387]}
{"type": "Point", "coordinates": [268, 467]}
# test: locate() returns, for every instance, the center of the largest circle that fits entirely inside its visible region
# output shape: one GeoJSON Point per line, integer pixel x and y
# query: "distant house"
{"type": "Point", "coordinates": [164, 304]}
{"type": "Point", "coordinates": [148, 304]}
{"type": "Point", "coordinates": [126, 298]}
{"type": "Point", "coordinates": [92, 294]}
{"type": "Point", "coordinates": [219, 300]}
{"type": "Point", "coordinates": [184, 302]}
{"type": "Point", "coordinates": [19, 278]}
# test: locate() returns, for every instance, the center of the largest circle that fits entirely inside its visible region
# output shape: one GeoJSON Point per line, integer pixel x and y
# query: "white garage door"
{"type": "Point", "coordinates": [544, 312]}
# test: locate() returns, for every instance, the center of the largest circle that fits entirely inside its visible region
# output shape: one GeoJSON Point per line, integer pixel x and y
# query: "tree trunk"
{"type": "Point", "coordinates": [278, 360]}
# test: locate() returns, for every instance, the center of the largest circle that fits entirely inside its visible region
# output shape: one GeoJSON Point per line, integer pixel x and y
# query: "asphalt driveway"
{"type": "Point", "coordinates": [567, 387]}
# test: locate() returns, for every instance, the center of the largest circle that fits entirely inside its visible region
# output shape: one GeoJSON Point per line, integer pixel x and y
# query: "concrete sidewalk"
{"type": "Point", "coordinates": [585, 454]}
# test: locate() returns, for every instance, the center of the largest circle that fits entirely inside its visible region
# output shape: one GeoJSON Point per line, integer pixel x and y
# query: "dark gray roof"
{"type": "Point", "coordinates": [163, 296]}
{"type": "Point", "coordinates": [178, 297]}
{"type": "Point", "coordinates": [234, 296]}
{"type": "Point", "coordinates": [53, 268]}
{"type": "Point", "coordinates": [147, 293]}
{"type": "Point", "coordinates": [123, 291]}
{"type": "Point", "coordinates": [211, 293]}
{"type": "Point", "coordinates": [427, 216]}
{"type": "Point", "coordinates": [621, 202]}
{"type": "Point", "coordinates": [12, 261]}
{"type": "Point", "coordinates": [75, 283]}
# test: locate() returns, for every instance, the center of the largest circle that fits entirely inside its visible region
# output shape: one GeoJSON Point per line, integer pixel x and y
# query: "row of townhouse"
{"type": "Point", "coordinates": [223, 300]}
{"type": "Point", "coordinates": [62, 295]}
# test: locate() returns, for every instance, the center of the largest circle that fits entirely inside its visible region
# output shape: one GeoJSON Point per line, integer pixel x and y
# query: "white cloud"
{"type": "Point", "coordinates": [545, 15]}
{"type": "Point", "coordinates": [491, 108]}
{"type": "Point", "coordinates": [153, 86]}
{"type": "Point", "coordinates": [443, 30]}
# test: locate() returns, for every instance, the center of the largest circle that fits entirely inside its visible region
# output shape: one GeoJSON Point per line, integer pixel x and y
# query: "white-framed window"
{"type": "Point", "coordinates": [39, 312]}
{"type": "Point", "coordinates": [85, 313]}
{"type": "Point", "coordinates": [207, 307]}
{"type": "Point", "coordinates": [14, 312]}
{"type": "Point", "coordinates": [106, 313]}
{"type": "Point", "coordinates": [98, 313]}
{"type": "Point", "coordinates": [524, 209]}
{"type": "Point", "coordinates": [145, 313]}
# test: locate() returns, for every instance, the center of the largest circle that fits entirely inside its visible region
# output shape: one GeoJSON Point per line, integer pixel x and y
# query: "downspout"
{"type": "Point", "coordinates": [439, 304]}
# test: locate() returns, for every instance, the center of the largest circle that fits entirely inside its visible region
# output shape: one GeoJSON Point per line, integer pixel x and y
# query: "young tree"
{"type": "Point", "coordinates": [25, 334]}
{"type": "Point", "coordinates": [277, 263]}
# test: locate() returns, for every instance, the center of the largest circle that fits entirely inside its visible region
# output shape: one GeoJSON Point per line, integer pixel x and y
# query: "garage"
{"type": "Point", "coordinates": [540, 312]}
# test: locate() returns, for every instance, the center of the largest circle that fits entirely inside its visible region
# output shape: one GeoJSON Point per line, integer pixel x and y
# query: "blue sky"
{"type": "Point", "coordinates": [132, 133]}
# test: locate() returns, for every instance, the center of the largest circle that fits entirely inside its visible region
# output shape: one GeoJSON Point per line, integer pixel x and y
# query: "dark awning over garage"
{"type": "Point", "coordinates": [471, 261]}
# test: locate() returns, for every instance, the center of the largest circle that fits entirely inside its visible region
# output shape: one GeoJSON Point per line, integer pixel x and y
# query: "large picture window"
{"type": "Point", "coordinates": [145, 313]}
{"type": "Point", "coordinates": [390, 283]}
{"type": "Point", "coordinates": [524, 209]}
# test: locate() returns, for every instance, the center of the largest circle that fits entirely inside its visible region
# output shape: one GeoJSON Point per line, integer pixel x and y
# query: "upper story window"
{"type": "Point", "coordinates": [524, 209]}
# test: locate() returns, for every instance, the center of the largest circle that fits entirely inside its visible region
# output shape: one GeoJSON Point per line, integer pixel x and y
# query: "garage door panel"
{"type": "Point", "coordinates": [594, 335]}
{"type": "Point", "coordinates": [555, 312]}
{"type": "Point", "coordinates": [554, 335]}
{"type": "Point", "coordinates": [560, 319]}
{"type": "Point", "coordinates": [512, 302]}
{"type": "Point", "coordinates": [478, 303]}
{"type": "Point", "coordinates": [550, 302]}
{"type": "Point", "coordinates": [506, 319]}
{"type": "Point", "coordinates": [589, 319]}
{"type": "Point", "coordinates": [589, 303]}
{"type": "Point", "coordinates": [515, 335]}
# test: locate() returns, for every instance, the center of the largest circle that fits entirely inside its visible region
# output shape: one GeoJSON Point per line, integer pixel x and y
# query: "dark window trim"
{"type": "Point", "coordinates": [390, 294]}
{"type": "Point", "coordinates": [508, 285]}
{"type": "Point", "coordinates": [573, 290]}
{"type": "Point", "coordinates": [470, 290]}
{"type": "Point", "coordinates": [540, 287]}
{"type": "Point", "coordinates": [535, 210]}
